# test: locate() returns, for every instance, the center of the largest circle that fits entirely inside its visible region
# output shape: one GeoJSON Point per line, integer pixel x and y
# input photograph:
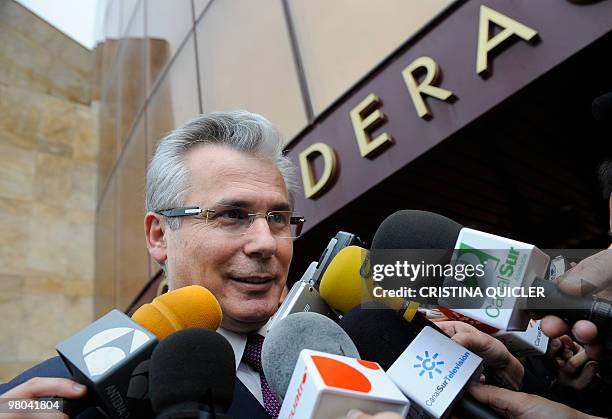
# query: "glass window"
{"type": "Point", "coordinates": [175, 99]}
{"type": "Point", "coordinates": [131, 72]}
{"type": "Point", "coordinates": [107, 131]}
{"type": "Point", "coordinates": [132, 256]}
{"type": "Point", "coordinates": [199, 6]}
{"type": "Point", "coordinates": [168, 23]}
{"type": "Point", "coordinates": [341, 40]}
{"type": "Point", "coordinates": [104, 282]}
{"type": "Point", "coordinates": [246, 62]}
{"type": "Point", "coordinates": [128, 9]}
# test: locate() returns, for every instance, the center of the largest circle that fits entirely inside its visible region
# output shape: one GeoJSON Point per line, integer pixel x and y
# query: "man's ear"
{"type": "Point", "coordinates": [155, 232]}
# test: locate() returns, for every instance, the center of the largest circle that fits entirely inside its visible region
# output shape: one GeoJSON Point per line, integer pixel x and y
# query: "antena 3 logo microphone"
{"type": "Point", "coordinates": [110, 357]}
{"type": "Point", "coordinates": [106, 349]}
{"type": "Point", "coordinates": [325, 385]}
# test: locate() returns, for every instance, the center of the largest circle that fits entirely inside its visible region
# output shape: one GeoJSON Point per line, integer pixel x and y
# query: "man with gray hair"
{"type": "Point", "coordinates": [219, 201]}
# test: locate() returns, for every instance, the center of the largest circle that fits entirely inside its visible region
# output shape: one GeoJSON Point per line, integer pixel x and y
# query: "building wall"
{"type": "Point", "coordinates": [48, 171]}
{"type": "Point", "coordinates": [162, 63]}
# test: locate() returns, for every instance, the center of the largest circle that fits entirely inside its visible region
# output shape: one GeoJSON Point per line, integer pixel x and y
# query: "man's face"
{"type": "Point", "coordinates": [246, 272]}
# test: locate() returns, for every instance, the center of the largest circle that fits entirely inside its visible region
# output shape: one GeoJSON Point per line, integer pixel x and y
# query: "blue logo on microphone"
{"type": "Point", "coordinates": [428, 364]}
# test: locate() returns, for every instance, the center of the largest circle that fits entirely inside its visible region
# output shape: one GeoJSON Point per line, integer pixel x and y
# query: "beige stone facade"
{"type": "Point", "coordinates": [48, 172]}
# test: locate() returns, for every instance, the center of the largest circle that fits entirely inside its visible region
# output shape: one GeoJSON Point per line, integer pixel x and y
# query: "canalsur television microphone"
{"type": "Point", "coordinates": [111, 355]}
{"type": "Point", "coordinates": [304, 294]}
{"type": "Point", "coordinates": [535, 262]}
{"type": "Point", "coordinates": [192, 375]}
{"type": "Point", "coordinates": [310, 364]}
{"type": "Point", "coordinates": [431, 369]}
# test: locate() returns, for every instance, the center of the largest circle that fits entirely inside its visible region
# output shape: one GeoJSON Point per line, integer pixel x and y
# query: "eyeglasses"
{"type": "Point", "coordinates": [235, 221]}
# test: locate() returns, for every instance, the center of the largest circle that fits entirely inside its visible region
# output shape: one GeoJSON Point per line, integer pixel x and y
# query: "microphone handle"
{"type": "Point", "coordinates": [572, 308]}
{"type": "Point", "coordinates": [468, 407]}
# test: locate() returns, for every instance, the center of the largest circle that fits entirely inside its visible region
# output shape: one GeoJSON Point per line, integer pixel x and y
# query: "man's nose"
{"type": "Point", "coordinates": [261, 242]}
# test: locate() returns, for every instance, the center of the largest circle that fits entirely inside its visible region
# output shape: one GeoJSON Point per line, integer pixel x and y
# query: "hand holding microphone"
{"type": "Point", "coordinates": [109, 357]}
{"type": "Point", "coordinates": [573, 367]}
{"type": "Point", "coordinates": [590, 277]}
{"type": "Point", "coordinates": [518, 405]}
{"type": "Point", "coordinates": [507, 369]}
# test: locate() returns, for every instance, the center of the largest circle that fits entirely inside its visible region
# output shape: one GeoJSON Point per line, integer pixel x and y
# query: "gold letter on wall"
{"type": "Point", "coordinates": [417, 90]}
{"type": "Point", "coordinates": [510, 27]}
{"type": "Point", "coordinates": [366, 118]}
{"type": "Point", "coordinates": [313, 188]}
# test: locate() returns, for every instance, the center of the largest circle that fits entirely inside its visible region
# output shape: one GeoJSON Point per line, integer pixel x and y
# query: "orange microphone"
{"type": "Point", "coordinates": [191, 306]}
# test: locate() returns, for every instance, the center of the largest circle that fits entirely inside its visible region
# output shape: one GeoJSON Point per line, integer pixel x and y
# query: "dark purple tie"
{"type": "Point", "coordinates": [252, 356]}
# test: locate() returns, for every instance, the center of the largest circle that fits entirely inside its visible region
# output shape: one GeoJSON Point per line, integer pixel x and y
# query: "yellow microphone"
{"type": "Point", "coordinates": [347, 283]}
{"type": "Point", "coordinates": [191, 306]}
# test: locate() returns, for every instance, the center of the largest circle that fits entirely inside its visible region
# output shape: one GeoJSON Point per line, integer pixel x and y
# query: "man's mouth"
{"type": "Point", "coordinates": [252, 279]}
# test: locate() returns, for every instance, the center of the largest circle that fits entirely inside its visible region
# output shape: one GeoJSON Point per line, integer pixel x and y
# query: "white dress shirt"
{"type": "Point", "coordinates": [245, 373]}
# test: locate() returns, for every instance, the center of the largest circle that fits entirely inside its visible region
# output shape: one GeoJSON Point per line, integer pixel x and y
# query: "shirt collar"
{"type": "Point", "coordinates": [238, 341]}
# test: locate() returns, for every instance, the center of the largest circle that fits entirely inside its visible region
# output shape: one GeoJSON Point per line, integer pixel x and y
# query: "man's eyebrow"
{"type": "Point", "coordinates": [279, 206]}
{"type": "Point", "coordinates": [233, 203]}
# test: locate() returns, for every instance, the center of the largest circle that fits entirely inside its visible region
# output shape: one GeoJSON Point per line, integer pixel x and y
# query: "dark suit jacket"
{"type": "Point", "coordinates": [244, 405]}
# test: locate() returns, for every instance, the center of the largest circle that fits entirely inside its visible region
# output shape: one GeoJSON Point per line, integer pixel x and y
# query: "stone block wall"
{"type": "Point", "coordinates": [48, 174]}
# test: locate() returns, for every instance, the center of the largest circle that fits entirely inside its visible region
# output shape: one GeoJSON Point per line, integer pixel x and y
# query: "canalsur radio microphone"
{"type": "Point", "coordinates": [192, 375]}
{"type": "Point", "coordinates": [430, 369]}
{"type": "Point", "coordinates": [310, 364]}
{"type": "Point", "coordinates": [508, 261]}
{"type": "Point", "coordinates": [111, 355]}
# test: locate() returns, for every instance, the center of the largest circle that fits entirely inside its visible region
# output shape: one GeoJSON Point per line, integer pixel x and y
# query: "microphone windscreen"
{"type": "Point", "coordinates": [341, 285]}
{"type": "Point", "coordinates": [602, 108]}
{"type": "Point", "coordinates": [192, 366]}
{"type": "Point", "coordinates": [285, 341]}
{"type": "Point", "coordinates": [191, 306]}
{"type": "Point", "coordinates": [380, 334]}
{"type": "Point", "coordinates": [413, 229]}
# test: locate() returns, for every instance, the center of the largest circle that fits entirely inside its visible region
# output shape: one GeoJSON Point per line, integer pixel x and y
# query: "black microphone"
{"type": "Point", "coordinates": [383, 336]}
{"type": "Point", "coordinates": [192, 375]}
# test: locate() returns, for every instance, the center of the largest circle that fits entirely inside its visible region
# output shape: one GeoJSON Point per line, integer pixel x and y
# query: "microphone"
{"type": "Point", "coordinates": [429, 368]}
{"type": "Point", "coordinates": [304, 294]}
{"type": "Point", "coordinates": [309, 363]}
{"type": "Point", "coordinates": [507, 262]}
{"type": "Point", "coordinates": [344, 286]}
{"type": "Point", "coordinates": [298, 331]}
{"type": "Point", "coordinates": [192, 375]}
{"type": "Point", "coordinates": [111, 355]}
{"type": "Point", "coordinates": [190, 306]}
